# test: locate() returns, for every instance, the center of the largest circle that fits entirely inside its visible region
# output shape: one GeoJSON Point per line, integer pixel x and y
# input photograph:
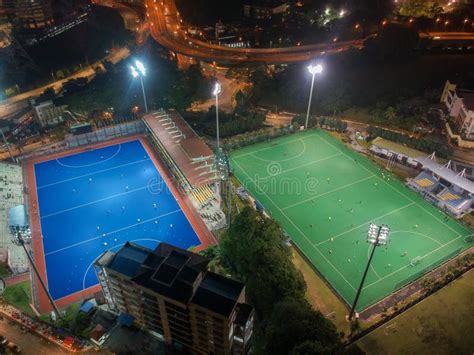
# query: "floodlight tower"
{"type": "Point", "coordinates": [216, 92]}
{"type": "Point", "coordinates": [313, 70]}
{"type": "Point", "coordinates": [22, 236]}
{"type": "Point", "coordinates": [376, 235]}
{"type": "Point", "coordinates": [138, 70]}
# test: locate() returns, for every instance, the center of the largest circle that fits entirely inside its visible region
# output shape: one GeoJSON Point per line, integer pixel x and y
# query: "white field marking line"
{"type": "Point", "coordinates": [366, 223]}
{"type": "Point", "coordinates": [283, 160]}
{"type": "Point", "coordinates": [100, 200]}
{"type": "Point", "coordinates": [301, 232]}
{"type": "Point", "coordinates": [92, 164]}
{"type": "Point", "coordinates": [112, 232]}
{"type": "Point", "coordinates": [371, 265]}
{"type": "Point", "coordinates": [266, 148]}
{"type": "Point", "coordinates": [301, 166]}
{"type": "Point", "coordinates": [115, 246]}
{"type": "Point", "coordinates": [422, 257]}
{"type": "Point", "coordinates": [96, 172]}
{"type": "Point", "coordinates": [417, 233]}
{"type": "Point", "coordinates": [393, 188]}
{"type": "Point", "coordinates": [327, 192]}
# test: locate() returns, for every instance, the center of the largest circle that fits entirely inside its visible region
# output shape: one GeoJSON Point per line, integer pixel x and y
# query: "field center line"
{"type": "Point", "coordinates": [298, 167]}
{"type": "Point", "coordinates": [365, 223]}
{"type": "Point", "coordinates": [422, 257]}
{"type": "Point", "coordinates": [393, 188]}
{"type": "Point", "coordinates": [100, 200]}
{"type": "Point", "coordinates": [327, 192]}
{"type": "Point", "coordinates": [301, 232]}
{"type": "Point", "coordinates": [96, 172]}
{"type": "Point", "coordinates": [266, 148]}
{"type": "Point", "coordinates": [112, 232]}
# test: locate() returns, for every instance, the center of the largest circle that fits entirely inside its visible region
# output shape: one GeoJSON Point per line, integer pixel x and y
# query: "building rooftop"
{"type": "Point", "coordinates": [218, 294]}
{"type": "Point", "coordinates": [467, 98]}
{"type": "Point", "coordinates": [167, 270]}
{"type": "Point", "coordinates": [174, 273]}
{"type": "Point", "coordinates": [396, 147]}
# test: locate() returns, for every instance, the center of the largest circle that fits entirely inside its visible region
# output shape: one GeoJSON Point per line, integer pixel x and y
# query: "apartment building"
{"type": "Point", "coordinates": [460, 106]}
{"type": "Point", "coordinates": [170, 293]}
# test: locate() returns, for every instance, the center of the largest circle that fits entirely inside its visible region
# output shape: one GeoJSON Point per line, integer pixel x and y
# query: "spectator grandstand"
{"type": "Point", "coordinates": [191, 162]}
{"type": "Point", "coordinates": [442, 186]}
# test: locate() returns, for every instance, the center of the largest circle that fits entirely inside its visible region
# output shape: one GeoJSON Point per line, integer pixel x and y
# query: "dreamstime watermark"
{"type": "Point", "coordinates": [277, 183]}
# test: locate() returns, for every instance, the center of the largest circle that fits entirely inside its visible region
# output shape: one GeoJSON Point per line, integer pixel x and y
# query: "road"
{"type": "Point", "coordinates": [16, 103]}
{"type": "Point", "coordinates": [29, 342]}
{"type": "Point", "coordinates": [226, 99]}
{"type": "Point", "coordinates": [166, 28]}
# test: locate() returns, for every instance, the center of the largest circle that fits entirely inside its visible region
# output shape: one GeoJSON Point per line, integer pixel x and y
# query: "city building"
{"type": "Point", "coordinates": [48, 114]}
{"type": "Point", "coordinates": [33, 14]}
{"type": "Point", "coordinates": [264, 9]}
{"type": "Point", "coordinates": [460, 106]}
{"type": "Point", "coordinates": [170, 293]}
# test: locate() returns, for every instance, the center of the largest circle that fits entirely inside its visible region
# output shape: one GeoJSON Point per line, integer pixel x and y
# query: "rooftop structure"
{"type": "Point", "coordinates": [444, 187]}
{"type": "Point", "coordinates": [169, 292]}
{"type": "Point", "coordinates": [190, 159]}
{"type": "Point", "coordinates": [460, 106]}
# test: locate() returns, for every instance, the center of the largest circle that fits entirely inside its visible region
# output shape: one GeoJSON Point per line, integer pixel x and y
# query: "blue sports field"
{"type": "Point", "coordinates": [97, 200]}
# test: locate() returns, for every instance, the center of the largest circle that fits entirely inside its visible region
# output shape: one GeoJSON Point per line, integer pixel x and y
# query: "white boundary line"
{"type": "Point", "coordinates": [417, 233]}
{"type": "Point", "coordinates": [327, 192]}
{"type": "Point", "coordinates": [408, 198]}
{"type": "Point", "coordinates": [421, 257]}
{"type": "Point", "coordinates": [301, 232]}
{"type": "Point", "coordinates": [283, 160]}
{"type": "Point", "coordinates": [301, 166]}
{"type": "Point", "coordinates": [266, 148]}
{"type": "Point", "coordinates": [372, 265]}
{"type": "Point", "coordinates": [113, 232]}
{"type": "Point", "coordinates": [100, 200]}
{"type": "Point", "coordinates": [365, 223]}
{"type": "Point", "coordinates": [94, 173]}
{"type": "Point", "coordinates": [92, 164]}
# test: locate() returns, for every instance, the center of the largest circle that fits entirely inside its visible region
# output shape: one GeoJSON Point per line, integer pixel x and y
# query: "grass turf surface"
{"type": "Point", "coordinates": [441, 324]}
{"type": "Point", "coordinates": [325, 196]}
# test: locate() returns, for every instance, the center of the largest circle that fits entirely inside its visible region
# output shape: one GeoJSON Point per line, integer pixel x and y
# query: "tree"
{"type": "Point", "coordinates": [254, 249]}
{"type": "Point", "coordinates": [420, 8]}
{"type": "Point", "coordinates": [295, 325]}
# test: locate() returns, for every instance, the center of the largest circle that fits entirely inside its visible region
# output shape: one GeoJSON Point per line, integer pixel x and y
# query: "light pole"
{"type": "Point", "coordinates": [313, 70]}
{"type": "Point", "coordinates": [22, 236]}
{"type": "Point", "coordinates": [376, 235]}
{"type": "Point", "coordinates": [216, 92]}
{"type": "Point", "coordinates": [138, 70]}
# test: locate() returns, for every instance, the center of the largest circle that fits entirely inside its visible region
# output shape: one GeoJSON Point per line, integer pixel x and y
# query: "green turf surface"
{"type": "Point", "coordinates": [325, 196]}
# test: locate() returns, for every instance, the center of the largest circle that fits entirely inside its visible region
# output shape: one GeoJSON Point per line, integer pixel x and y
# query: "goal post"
{"type": "Point", "coordinates": [415, 261]}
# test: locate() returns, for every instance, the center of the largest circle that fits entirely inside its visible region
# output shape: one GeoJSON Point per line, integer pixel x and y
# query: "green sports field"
{"type": "Point", "coordinates": [325, 196]}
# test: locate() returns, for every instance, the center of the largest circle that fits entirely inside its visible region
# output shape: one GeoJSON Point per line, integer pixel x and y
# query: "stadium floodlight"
{"type": "Point", "coordinates": [138, 70]}
{"type": "Point", "coordinates": [313, 70]}
{"type": "Point", "coordinates": [140, 67]}
{"type": "Point", "coordinates": [376, 235]}
{"type": "Point", "coordinates": [134, 71]}
{"type": "Point", "coordinates": [216, 92]}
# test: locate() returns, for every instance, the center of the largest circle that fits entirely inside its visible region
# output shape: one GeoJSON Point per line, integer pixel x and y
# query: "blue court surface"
{"type": "Point", "coordinates": [97, 200]}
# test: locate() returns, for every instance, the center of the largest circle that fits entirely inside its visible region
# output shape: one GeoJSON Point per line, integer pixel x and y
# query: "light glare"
{"type": "Point", "coordinates": [315, 69]}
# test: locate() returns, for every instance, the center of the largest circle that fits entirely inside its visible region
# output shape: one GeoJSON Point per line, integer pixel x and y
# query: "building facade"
{"type": "Point", "coordinates": [33, 14]}
{"type": "Point", "coordinates": [460, 106]}
{"type": "Point", "coordinates": [169, 293]}
{"type": "Point", "coordinates": [48, 114]}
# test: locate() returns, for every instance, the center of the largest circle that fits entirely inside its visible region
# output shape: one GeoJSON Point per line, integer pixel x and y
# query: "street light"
{"type": "Point", "coordinates": [376, 235]}
{"type": "Point", "coordinates": [22, 236]}
{"type": "Point", "coordinates": [138, 70]}
{"type": "Point", "coordinates": [313, 70]}
{"type": "Point", "coordinates": [216, 92]}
